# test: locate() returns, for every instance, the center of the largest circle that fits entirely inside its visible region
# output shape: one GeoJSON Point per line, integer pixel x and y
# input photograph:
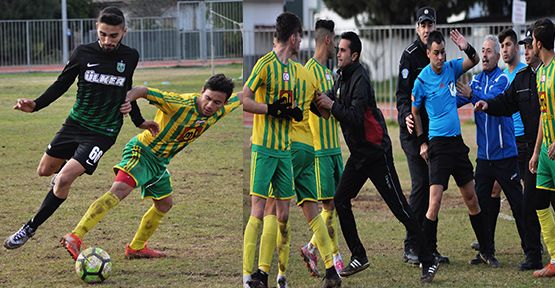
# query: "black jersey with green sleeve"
{"type": "Point", "coordinates": [103, 81]}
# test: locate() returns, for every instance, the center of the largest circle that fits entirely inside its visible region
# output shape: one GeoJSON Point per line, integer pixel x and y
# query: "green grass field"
{"type": "Point", "coordinates": [383, 236]}
{"type": "Point", "coordinates": [202, 233]}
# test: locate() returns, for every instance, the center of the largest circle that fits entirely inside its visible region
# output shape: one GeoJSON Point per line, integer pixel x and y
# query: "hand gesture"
{"type": "Point", "coordinates": [458, 39]}
{"type": "Point", "coordinates": [481, 106]}
{"type": "Point", "coordinates": [25, 105]}
{"type": "Point", "coordinates": [464, 89]}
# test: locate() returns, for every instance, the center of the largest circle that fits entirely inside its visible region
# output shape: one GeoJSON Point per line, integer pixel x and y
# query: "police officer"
{"type": "Point", "coordinates": [522, 96]}
{"type": "Point", "coordinates": [413, 60]}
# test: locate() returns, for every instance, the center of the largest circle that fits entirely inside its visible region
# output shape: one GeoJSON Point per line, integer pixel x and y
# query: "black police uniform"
{"type": "Point", "coordinates": [413, 60]}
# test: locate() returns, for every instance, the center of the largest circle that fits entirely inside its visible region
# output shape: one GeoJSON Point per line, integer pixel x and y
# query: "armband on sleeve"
{"type": "Point", "coordinates": [470, 51]}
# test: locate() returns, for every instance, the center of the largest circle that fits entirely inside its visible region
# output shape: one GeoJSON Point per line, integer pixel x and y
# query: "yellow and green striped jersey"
{"type": "Point", "coordinates": [305, 88]}
{"type": "Point", "coordinates": [325, 131]}
{"type": "Point", "coordinates": [545, 79]}
{"type": "Point", "coordinates": [180, 121]}
{"type": "Point", "coordinates": [271, 80]}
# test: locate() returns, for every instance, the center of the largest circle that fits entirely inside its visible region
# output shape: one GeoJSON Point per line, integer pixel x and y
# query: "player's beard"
{"type": "Point", "coordinates": [110, 49]}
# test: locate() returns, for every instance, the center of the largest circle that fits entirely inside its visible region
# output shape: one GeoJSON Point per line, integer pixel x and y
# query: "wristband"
{"type": "Point", "coordinates": [470, 51]}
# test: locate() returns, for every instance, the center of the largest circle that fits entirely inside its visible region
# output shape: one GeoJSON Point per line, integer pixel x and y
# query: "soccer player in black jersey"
{"type": "Point", "coordinates": [104, 70]}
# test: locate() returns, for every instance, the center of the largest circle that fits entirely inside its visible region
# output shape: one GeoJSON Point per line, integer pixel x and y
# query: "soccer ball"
{"type": "Point", "coordinates": [93, 265]}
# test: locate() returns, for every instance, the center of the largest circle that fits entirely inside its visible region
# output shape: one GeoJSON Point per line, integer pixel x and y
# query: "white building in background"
{"type": "Point", "coordinates": [260, 16]}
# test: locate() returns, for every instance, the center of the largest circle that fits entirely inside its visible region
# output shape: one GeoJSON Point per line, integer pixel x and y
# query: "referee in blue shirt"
{"type": "Point", "coordinates": [446, 152]}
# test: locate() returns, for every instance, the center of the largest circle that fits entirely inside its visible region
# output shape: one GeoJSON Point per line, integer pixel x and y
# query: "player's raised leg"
{"type": "Point", "coordinates": [54, 198]}
{"type": "Point", "coordinates": [122, 186]}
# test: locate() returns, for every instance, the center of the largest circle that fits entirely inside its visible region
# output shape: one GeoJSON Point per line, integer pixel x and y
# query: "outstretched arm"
{"type": "Point", "coordinates": [136, 93]}
{"type": "Point", "coordinates": [25, 105]}
{"type": "Point", "coordinates": [461, 42]}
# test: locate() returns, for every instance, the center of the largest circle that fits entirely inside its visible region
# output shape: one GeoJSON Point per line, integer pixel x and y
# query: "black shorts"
{"type": "Point", "coordinates": [77, 142]}
{"type": "Point", "coordinates": [449, 156]}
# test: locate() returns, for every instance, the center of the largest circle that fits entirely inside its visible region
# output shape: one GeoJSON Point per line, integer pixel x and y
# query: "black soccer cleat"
{"type": "Point", "coordinates": [332, 279]}
{"type": "Point", "coordinates": [355, 266]}
{"type": "Point", "coordinates": [429, 271]}
{"type": "Point", "coordinates": [259, 279]}
{"type": "Point", "coordinates": [442, 259]}
{"type": "Point", "coordinates": [485, 259]}
{"type": "Point", "coordinates": [410, 257]}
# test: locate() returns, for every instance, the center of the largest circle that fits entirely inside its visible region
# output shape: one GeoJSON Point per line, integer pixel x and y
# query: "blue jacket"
{"type": "Point", "coordinates": [495, 135]}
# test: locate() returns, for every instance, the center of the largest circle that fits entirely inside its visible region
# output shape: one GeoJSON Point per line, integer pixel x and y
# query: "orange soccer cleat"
{"type": "Point", "coordinates": [72, 243]}
{"type": "Point", "coordinates": [146, 252]}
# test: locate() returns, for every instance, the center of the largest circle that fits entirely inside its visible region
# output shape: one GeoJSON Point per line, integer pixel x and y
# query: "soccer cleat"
{"type": "Point", "coordinates": [259, 279]}
{"type": "Point", "coordinates": [486, 259]}
{"type": "Point", "coordinates": [355, 266]}
{"type": "Point", "coordinates": [547, 271]}
{"type": "Point", "coordinates": [72, 243]}
{"type": "Point", "coordinates": [490, 260]}
{"type": "Point", "coordinates": [19, 238]}
{"type": "Point", "coordinates": [442, 259]}
{"type": "Point", "coordinates": [429, 271]}
{"type": "Point", "coordinates": [246, 279]}
{"type": "Point", "coordinates": [475, 245]}
{"type": "Point", "coordinates": [281, 282]}
{"type": "Point", "coordinates": [331, 280]}
{"type": "Point", "coordinates": [338, 263]}
{"type": "Point", "coordinates": [311, 261]}
{"type": "Point", "coordinates": [410, 257]}
{"type": "Point", "coordinates": [146, 252]}
{"type": "Point", "coordinates": [530, 265]}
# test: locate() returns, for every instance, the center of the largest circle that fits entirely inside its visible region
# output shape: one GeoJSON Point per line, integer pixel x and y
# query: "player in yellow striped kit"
{"type": "Point", "coordinates": [182, 118]}
{"type": "Point", "coordinates": [328, 160]}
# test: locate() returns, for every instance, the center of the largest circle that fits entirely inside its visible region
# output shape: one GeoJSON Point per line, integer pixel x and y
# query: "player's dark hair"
{"type": "Point", "coordinates": [328, 25]}
{"type": "Point", "coordinates": [507, 33]}
{"type": "Point", "coordinates": [111, 15]}
{"type": "Point", "coordinates": [220, 83]}
{"type": "Point", "coordinates": [434, 36]}
{"type": "Point", "coordinates": [323, 28]}
{"type": "Point", "coordinates": [287, 24]}
{"type": "Point", "coordinates": [355, 45]}
{"type": "Point", "coordinates": [544, 32]}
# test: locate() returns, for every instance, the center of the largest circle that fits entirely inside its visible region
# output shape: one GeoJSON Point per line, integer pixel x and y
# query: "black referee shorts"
{"type": "Point", "coordinates": [449, 156]}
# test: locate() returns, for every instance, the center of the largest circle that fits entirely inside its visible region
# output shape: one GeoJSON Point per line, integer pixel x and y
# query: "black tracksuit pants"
{"type": "Point", "coordinates": [381, 171]}
{"type": "Point", "coordinates": [506, 173]}
{"type": "Point", "coordinates": [419, 198]}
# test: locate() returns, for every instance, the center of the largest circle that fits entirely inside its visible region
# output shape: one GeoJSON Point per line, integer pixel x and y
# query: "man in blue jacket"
{"type": "Point", "coordinates": [497, 151]}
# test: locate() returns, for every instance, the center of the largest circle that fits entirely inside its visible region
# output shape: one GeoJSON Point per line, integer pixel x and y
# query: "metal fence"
{"type": "Point", "coordinates": [382, 47]}
{"type": "Point", "coordinates": [200, 31]}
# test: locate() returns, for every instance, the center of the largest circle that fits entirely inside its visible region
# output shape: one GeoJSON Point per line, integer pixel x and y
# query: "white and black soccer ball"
{"type": "Point", "coordinates": [93, 265]}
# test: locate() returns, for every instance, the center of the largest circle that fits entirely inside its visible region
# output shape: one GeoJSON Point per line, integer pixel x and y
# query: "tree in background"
{"type": "Point", "coordinates": [150, 8]}
{"type": "Point", "coordinates": [45, 9]}
{"type": "Point", "coordinates": [377, 12]}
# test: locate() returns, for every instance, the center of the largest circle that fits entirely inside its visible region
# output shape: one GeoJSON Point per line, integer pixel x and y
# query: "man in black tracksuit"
{"type": "Point", "coordinates": [413, 60]}
{"type": "Point", "coordinates": [522, 96]}
{"type": "Point", "coordinates": [365, 132]}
